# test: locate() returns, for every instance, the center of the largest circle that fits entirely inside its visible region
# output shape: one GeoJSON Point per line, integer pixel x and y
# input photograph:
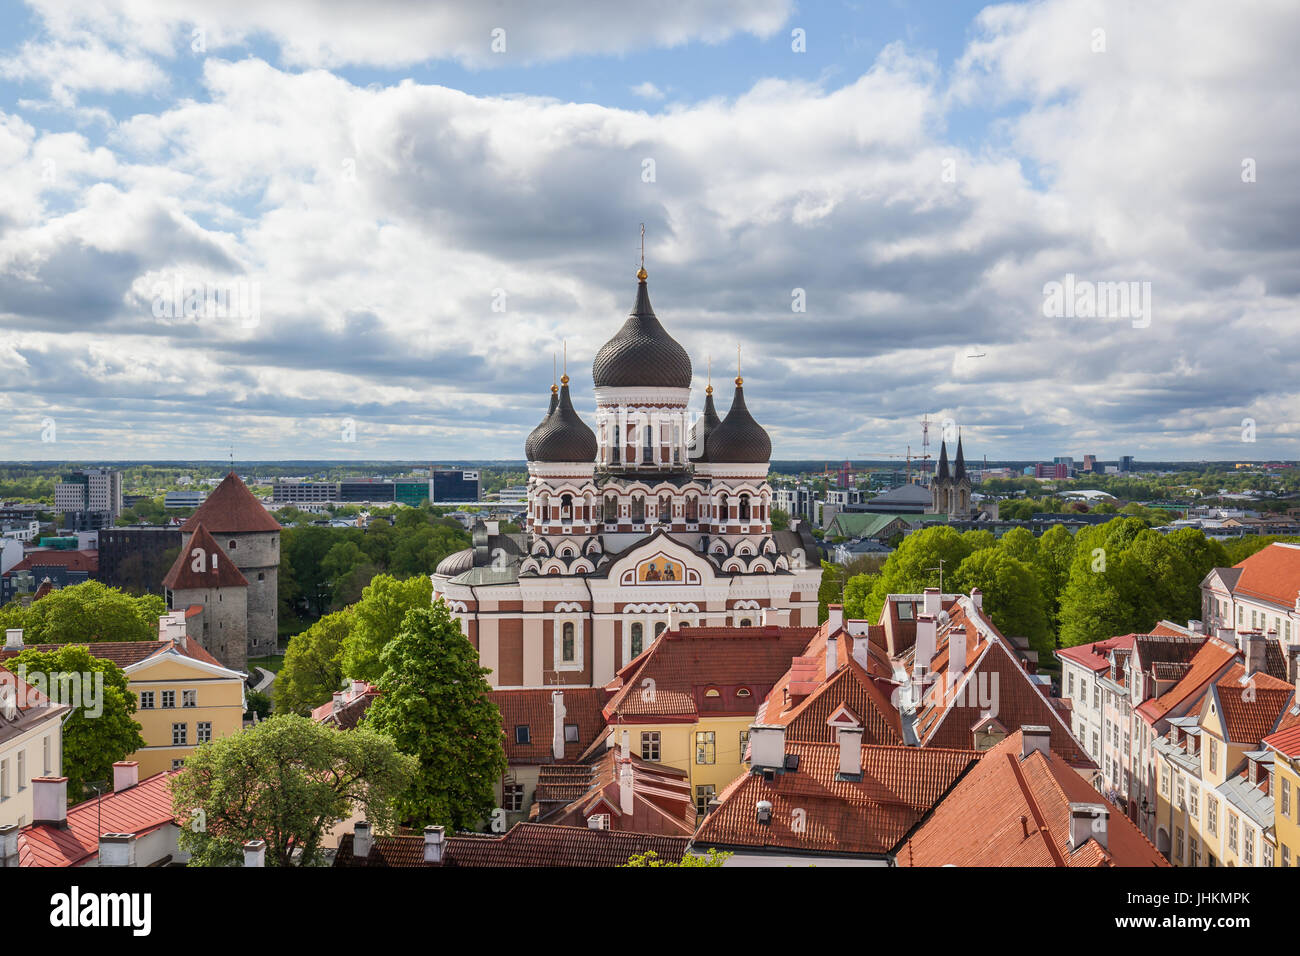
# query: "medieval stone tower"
{"type": "Point", "coordinates": [950, 490]}
{"type": "Point", "coordinates": [250, 538]}
{"type": "Point", "coordinates": [206, 586]}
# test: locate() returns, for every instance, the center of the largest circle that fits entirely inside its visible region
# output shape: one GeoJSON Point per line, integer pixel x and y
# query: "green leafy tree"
{"type": "Point", "coordinates": [1012, 597]}
{"type": "Point", "coordinates": [434, 703]}
{"type": "Point", "coordinates": [1053, 562]}
{"type": "Point", "coordinates": [780, 520]}
{"type": "Point", "coordinates": [287, 781]}
{"type": "Point", "coordinates": [691, 861]}
{"type": "Point", "coordinates": [86, 613]}
{"type": "Point", "coordinates": [857, 594]}
{"type": "Point", "coordinates": [979, 539]}
{"type": "Point", "coordinates": [914, 566]}
{"type": "Point", "coordinates": [100, 729]}
{"type": "Point", "coordinates": [376, 620]}
{"type": "Point", "coordinates": [1020, 543]}
{"type": "Point", "coordinates": [831, 589]}
{"type": "Point", "coordinates": [313, 664]}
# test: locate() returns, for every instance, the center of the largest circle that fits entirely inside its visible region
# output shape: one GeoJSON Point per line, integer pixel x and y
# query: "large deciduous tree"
{"type": "Point", "coordinates": [85, 613]}
{"type": "Point", "coordinates": [376, 620]}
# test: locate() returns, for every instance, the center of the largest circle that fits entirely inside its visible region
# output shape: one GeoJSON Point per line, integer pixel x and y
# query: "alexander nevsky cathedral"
{"type": "Point", "coordinates": [649, 521]}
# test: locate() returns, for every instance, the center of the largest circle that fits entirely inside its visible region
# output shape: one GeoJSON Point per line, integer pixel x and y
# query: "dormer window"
{"type": "Point", "coordinates": [521, 734]}
{"type": "Point", "coordinates": [743, 693]}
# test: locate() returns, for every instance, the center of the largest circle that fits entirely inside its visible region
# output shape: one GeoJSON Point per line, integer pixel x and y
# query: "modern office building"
{"type": "Point", "coordinates": [89, 499]}
{"type": "Point", "coordinates": [453, 485]}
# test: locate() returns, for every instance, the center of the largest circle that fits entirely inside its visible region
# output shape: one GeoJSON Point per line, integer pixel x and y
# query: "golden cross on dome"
{"type": "Point", "coordinates": [641, 273]}
{"type": "Point", "coordinates": [739, 380]}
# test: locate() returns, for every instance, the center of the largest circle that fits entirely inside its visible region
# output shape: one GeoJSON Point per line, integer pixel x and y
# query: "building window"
{"type": "Point", "coordinates": [705, 747]}
{"type": "Point", "coordinates": [570, 733]}
{"type": "Point", "coordinates": [703, 794]}
{"type": "Point", "coordinates": [1178, 844]}
{"type": "Point", "coordinates": [1214, 755]}
{"type": "Point", "coordinates": [1069, 683]}
{"type": "Point", "coordinates": [1193, 802]}
{"type": "Point", "coordinates": [1267, 854]}
{"type": "Point", "coordinates": [1248, 844]}
{"type": "Point", "coordinates": [1232, 831]}
{"type": "Point", "coordinates": [1286, 855]}
{"type": "Point", "coordinates": [1193, 852]}
{"type": "Point", "coordinates": [514, 797]}
{"type": "Point", "coordinates": [1286, 797]}
{"type": "Point", "coordinates": [1212, 815]}
{"type": "Point", "coordinates": [168, 699]}
{"type": "Point", "coordinates": [180, 735]}
{"type": "Point", "coordinates": [178, 763]}
{"type": "Point", "coordinates": [650, 745]}
{"type": "Point", "coordinates": [660, 626]}
{"type": "Point", "coordinates": [22, 770]}
{"type": "Point", "coordinates": [205, 731]}
{"type": "Point", "coordinates": [744, 743]}
{"type": "Point", "coordinates": [189, 698]}
{"type": "Point", "coordinates": [637, 640]}
{"type": "Point", "coordinates": [45, 750]}
{"type": "Point", "coordinates": [521, 734]}
{"type": "Point", "coordinates": [568, 650]}
{"type": "Point", "coordinates": [146, 700]}
{"type": "Point", "coordinates": [1096, 697]}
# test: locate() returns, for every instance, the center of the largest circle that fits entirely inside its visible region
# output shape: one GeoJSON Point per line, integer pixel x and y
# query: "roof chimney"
{"type": "Point", "coordinates": [557, 724]}
{"type": "Point", "coordinates": [832, 656]}
{"type": "Point", "coordinates": [126, 774]}
{"type": "Point", "coordinates": [339, 699]}
{"type": "Point", "coordinates": [977, 598]}
{"type": "Point", "coordinates": [850, 741]}
{"type": "Point", "coordinates": [763, 811]}
{"type": "Point", "coordinates": [626, 801]}
{"type": "Point", "coordinates": [933, 602]}
{"type": "Point", "coordinates": [14, 639]}
{"type": "Point", "coordinates": [362, 841]}
{"type": "Point", "coordinates": [255, 853]}
{"type": "Point", "coordinates": [1253, 647]}
{"type": "Point", "coordinates": [926, 630]}
{"type": "Point", "coordinates": [434, 844]}
{"type": "Point", "coordinates": [1226, 634]}
{"type": "Point", "coordinates": [956, 650]}
{"type": "Point", "coordinates": [8, 845]}
{"type": "Point", "coordinates": [862, 650]}
{"type": "Point", "coordinates": [1035, 737]}
{"type": "Point", "coordinates": [1196, 627]}
{"type": "Point", "coordinates": [1088, 821]}
{"type": "Point", "coordinates": [117, 849]}
{"type": "Point", "coordinates": [50, 801]}
{"type": "Point", "coordinates": [766, 746]}
{"type": "Point", "coordinates": [834, 617]}
{"type": "Point", "coordinates": [1293, 665]}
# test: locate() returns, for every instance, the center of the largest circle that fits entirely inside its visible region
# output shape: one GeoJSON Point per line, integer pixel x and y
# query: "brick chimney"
{"type": "Point", "coordinates": [850, 741]}
{"type": "Point", "coordinates": [977, 598]}
{"type": "Point", "coordinates": [434, 844]}
{"type": "Point", "coordinates": [557, 724]}
{"type": "Point", "coordinates": [340, 698]}
{"type": "Point", "coordinates": [50, 801]}
{"type": "Point", "coordinates": [956, 650]}
{"type": "Point", "coordinates": [126, 774]}
{"type": "Point", "coordinates": [255, 853]}
{"type": "Point", "coordinates": [933, 602]}
{"type": "Point", "coordinates": [834, 617]}
{"type": "Point", "coordinates": [767, 746]}
{"type": "Point", "coordinates": [626, 788]}
{"type": "Point", "coordinates": [1035, 737]}
{"type": "Point", "coordinates": [925, 643]}
{"type": "Point", "coordinates": [8, 845]}
{"type": "Point", "coordinates": [362, 841]}
{"type": "Point", "coordinates": [14, 639]}
{"type": "Point", "coordinates": [1253, 648]}
{"type": "Point", "coordinates": [1088, 821]}
{"type": "Point", "coordinates": [862, 650]}
{"type": "Point", "coordinates": [117, 849]}
{"type": "Point", "coordinates": [832, 656]}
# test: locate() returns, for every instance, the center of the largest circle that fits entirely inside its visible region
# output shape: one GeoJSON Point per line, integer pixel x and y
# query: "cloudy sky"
{"type": "Point", "coordinates": [415, 207]}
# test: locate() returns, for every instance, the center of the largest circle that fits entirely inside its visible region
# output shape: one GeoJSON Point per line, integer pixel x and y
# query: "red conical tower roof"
{"type": "Point", "coordinates": [216, 568]}
{"type": "Point", "coordinates": [231, 509]}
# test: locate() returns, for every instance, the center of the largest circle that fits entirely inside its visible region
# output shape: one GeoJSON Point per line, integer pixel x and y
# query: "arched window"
{"type": "Point", "coordinates": [665, 509]}
{"type": "Point", "coordinates": [746, 622]}
{"type": "Point", "coordinates": [638, 509]}
{"type": "Point", "coordinates": [724, 506]}
{"type": "Point", "coordinates": [638, 639]}
{"type": "Point", "coordinates": [692, 509]}
{"type": "Point", "coordinates": [742, 692]}
{"type": "Point", "coordinates": [232, 546]}
{"type": "Point", "coordinates": [566, 508]}
{"type": "Point", "coordinates": [659, 628]}
{"type": "Point", "coordinates": [567, 649]}
{"type": "Point", "coordinates": [611, 510]}
{"type": "Point", "coordinates": [616, 448]}
{"type": "Point", "coordinates": [744, 507]}
{"type": "Point", "coordinates": [647, 453]}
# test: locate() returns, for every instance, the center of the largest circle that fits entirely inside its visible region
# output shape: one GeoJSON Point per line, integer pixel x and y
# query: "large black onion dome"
{"type": "Point", "coordinates": [739, 439]}
{"type": "Point", "coordinates": [532, 435]}
{"type": "Point", "coordinates": [642, 353]}
{"type": "Point", "coordinates": [564, 436]}
{"type": "Point", "coordinates": [703, 428]}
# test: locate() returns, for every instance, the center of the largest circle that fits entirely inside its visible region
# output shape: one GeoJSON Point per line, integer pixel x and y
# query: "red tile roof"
{"type": "Point", "coordinates": [356, 702]}
{"type": "Point", "coordinates": [525, 845]}
{"type": "Point", "coordinates": [815, 812]}
{"type": "Point", "coordinates": [1251, 711]}
{"type": "Point", "coordinates": [1210, 659]}
{"type": "Point", "coordinates": [1272, 574]}
{"type": "Point", "coordinates": [87, 561]}
{"type": "Point", "coordinates": [31, 707]}
{"type": "Point", "coordinates": [740, 663]}
{"type": "Point", "coordinates": [1286, 740]}
{"type": "Point", "coordinates": [1014, 811]}
{"type": "Point", "coordinates": [216, 570]}
{"type": "Point", "coordinates": [534, 709]}
{"type": "Point", "coordinates": [1096, 656]}
{"type": "Point", "coordinates": [231, 509]}
{"type": "Point", "coordinates": [140, 809]}
{"type": "Point", "coordinates": [662, 800]}
{"type": "Point", "coordinates": [125, 653]}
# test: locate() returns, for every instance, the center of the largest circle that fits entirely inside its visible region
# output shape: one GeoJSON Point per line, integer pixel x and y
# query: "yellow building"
{"type": "Point", "coordinates": [1285, 748]}
{"type": "Point", "coordinates": [688, 702]}
{"type": "Point", "coordinates": [184, 696]}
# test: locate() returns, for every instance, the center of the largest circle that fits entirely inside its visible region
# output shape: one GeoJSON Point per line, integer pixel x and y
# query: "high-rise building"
{"type": "Point", "coordinates": [89, 499]}
{"type": "Point", "coordinates": [453, 485]}
{"type": "Point", "coordinates": [1125, 463]}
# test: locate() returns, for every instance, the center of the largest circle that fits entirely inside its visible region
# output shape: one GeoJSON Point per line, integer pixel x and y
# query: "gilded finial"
{"type": "Point", "coordinates": [641, 274]}
{"type": "Point", "coordinates": [564, 379]}
{"type": "Point", "coordinates": [709, 389]}
{"type": "Point", "coordinates": [739, 380]}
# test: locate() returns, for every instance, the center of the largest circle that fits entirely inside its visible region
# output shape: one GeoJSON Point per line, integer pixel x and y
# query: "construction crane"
{"type": "Point", "coordinates": [909, 456]}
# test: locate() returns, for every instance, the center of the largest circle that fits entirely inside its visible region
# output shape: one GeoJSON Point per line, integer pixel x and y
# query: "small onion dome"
{"type": "Point", "coordinates": [564, 436]}
{"type": "Point", "coordinates": [532, 435]}
{"type": "Point", "coordinates": [705, 426]}
{"type": "Point", "coordinates": [739, 439]}
{"type": "Point", "coordinates": [642, 353]}
{"type": "Point", "coordinates": [457, 563]}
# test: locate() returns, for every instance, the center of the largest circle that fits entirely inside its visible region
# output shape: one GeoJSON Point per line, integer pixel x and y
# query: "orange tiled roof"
{"type": "Point", "coordinates": [125, 653]}
{"type": "Point", "coordinates": [1096, 656]}
{"type": "Point", "coordinates": [1272, 574]}
{"type": "Point", "coordinates": [662, 801]}
{"type": "Point", "coordinates": [353, 709]}
{"type": "Point", "coordinates": [1014, 811]}
{"type": "Point", "coordinates": [216, 568]}
{"type": "Point", "coordinates": [1210, 659]}
{"type": "Point", "coordinates": [231, 509]}
{"type": "Point", "coordinates": [533, 709]}
{"type": "Point", "coordinates": [140, 809]}
{"type": "Point", "coordinates": [1251, 711]}
{"type": "Point", "coordinates": [850, 686]}
{"type": "Point", "coordinates": [1286, 739]}
{"type": "Point", "coordinates": [741, 663]}
{"type": "Point", "coordinates": [31, 707]}
{"type": "Point", "coordinates": [87, 561]}
{"type": "Point", "coordinates": [899, 786]}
